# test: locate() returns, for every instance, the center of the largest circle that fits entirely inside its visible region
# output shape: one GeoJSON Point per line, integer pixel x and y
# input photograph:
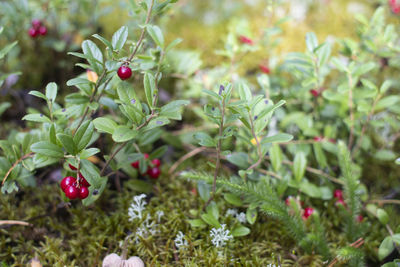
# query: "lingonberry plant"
{"type": "Point", "coordinates": [68, 134]}
{"type": "Point", "coordinates": [287, 157]}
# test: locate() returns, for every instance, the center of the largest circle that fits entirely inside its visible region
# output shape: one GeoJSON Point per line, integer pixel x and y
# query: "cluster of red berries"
{"type": "Point", "coordinates": [37, 29]}
{"type": "Point", "coordinates": [154, 170]}
{"type": "Point", "coordinates": [395, 6]}
{"type": "Point", "coordinates": [124, 72]}
{"type": "Point", "coordinates": [73, 188]}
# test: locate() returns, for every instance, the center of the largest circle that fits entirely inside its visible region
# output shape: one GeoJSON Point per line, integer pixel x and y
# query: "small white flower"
{"type": "Point", "coordinates": [220, 236]}
{"type": "Point", "coordinates": [137, 207]}
{"type": "Point", "coordinates": [159, 214]}
{"type": "Point", "coordinates": [241, 217]}
{"type": "Point", "coordinates": [231, 212]}
{"type": "Point", "coordinates": [180, 240]}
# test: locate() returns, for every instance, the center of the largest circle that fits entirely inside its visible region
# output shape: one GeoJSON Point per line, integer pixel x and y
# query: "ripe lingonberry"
{"type": "Point", "coordinates": [36, 23]}
{"type": "Point", "coordinates": [156, 162]}
{"type": "Point", "coordinates": [33, 32]}
{"type": "Point", "coordinates": [67, 181]}
{"type": "Point", "coordinates": [43, 30]}
{"type": "Point", "coordinates": [307, 212]}
{"type": "Point", "coordinates": [84, 182]}
{"type": "Point", "coordinates": [83, 192]}
{"type": "Point", "coordinates": [287, 201]}
{"type": "Point", "coordinates": [314, 92]}
{"type": "Point", "coordinates": [72, 167]}
{"type": "Point", "coordinates": [124, 72]}
{"type": "Point", "coordinates": [71, 192]}
{"type": "Point", "coordinates": [318, 138]}
{"type": "Point", "coordinates": [265, 69]}
{"type": "Point", "coordinates": [338, 194]}
{"type": "Point", "coordinates": [136, 163]}
{"type": "Point", "coordinates": [245, 40]}
{"type": "Point", "coordinates": [154, 172]}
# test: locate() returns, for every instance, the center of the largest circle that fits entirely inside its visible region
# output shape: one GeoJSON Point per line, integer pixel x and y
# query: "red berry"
{"type": "Point", "coordinates": [314, 92]}
{"type": "Point", "coordinates": [43, 30]}
{"type": "Point", "coordinates": [318, 138]}
{"type": "Point", "coordinates": [33, 32]}
{"type": "Point", "coordinates": [332, 140]}
{"type": "Point", "coordinates": [83, 192]}
{"type": "Point", "coordinates": [245, 40]}
{"type": "Point", "coordinates": [156, 162]}
{"type": "Point", "coordinates": [338, 194]}
{"type": "Point", "coordinates": [360, 218]}
{"type": "Point", "coordinates": [72, 167]}
{"type": "Point", "coordinates": [265, 69]}
{"type": "Point", "coordinates": [124, 72]}
{"type": "Point", "coordinates": [71, 192]}
{"type": "Point", "coordinates": [84, 182]}
{"type": "Point", "coordinates": [307, 212]}
{"type": "Point", "coordinates": [67, 181]}
{"type": "Point", "coordinates": [36, 23]}
{"type": "Point", "coordinates": [153, 172]}
{"type": "Point", "coordinates": [194, 191]}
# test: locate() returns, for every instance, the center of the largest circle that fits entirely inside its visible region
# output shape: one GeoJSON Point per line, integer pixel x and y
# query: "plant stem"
{"type": "Point", "coordinates": [364, 128]}
{"type": "Point", "coordinates": [350, 104]}
{"type": "Point", "coordinates": [258, 144]}
{"type": "Point", "coordinates": [15, 165]}
{"type": "Point", "coordinates": [96, 87]}
{"type": "Point", "coordinates": [143, 31]}
{"type": "Point", "coordinates": [218, 163]}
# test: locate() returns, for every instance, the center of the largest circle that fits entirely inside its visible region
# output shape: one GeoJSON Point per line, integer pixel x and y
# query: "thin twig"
{"type": "Point", "coordinates": [350, 104]}
{"type": "Point", "coordinates": [270, 173]}
{"type": "Point", "coordinates": [385, 201]}
{"type": "Point", "coordinates": [15, 165]}
{"type": "Point", "coordinates": [219, 144]}
{"type": "Point", "coordinates": [358, 243]}
{"type": "Point", "coordinates": [143, 31]}
{"type": "Point", "coordinates": [185, 157]}
{"type": "Point", "coordinates": [12, 222]}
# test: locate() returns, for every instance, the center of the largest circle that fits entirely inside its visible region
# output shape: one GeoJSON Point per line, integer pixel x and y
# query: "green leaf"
{"type": "Point", "coordinates": [123, 134]}
{"type": "Point", "coordinates": [119, 38]}
{"type": "Point", "coordinates": [83, 135]}
{"type": "Point", "coordinates": [212, 209]}
{"type": "Point", "coordinates": [7, 49]}
{"type": "Point", "coordinates": [77, 81]}
{"type": "Point", "coordinates": [38, 94]}
{"type": "Point", "coordinates": [36, 117]}
{"type": "Point", "coordinates": [240, 159]}
{"type": "Point", "coordinates": [276, 157]}
{"type": "Point", "coordinates": [299, 166]}
{"type": "Point", "coordinates": [311, 41]}
{"type": "Point", "coordinates": [208, 218]}
{"type": "Point", "coordinates": [156, 34]}
{"type": "Point", "coordinates": [251, 215]}
{"type": "Point", "coordinates": [95, 57]}
{"type": "Point", "coordinates": [102, 39]}
{"type": "Point", "coordinates": [89, 152]}
{"type": "Point", "coordinates": [204, 139]}
{"type": "Point", "coordinates": [173, 109]}
{"type": "Point", "coordinates": [240, 230]}
{"type": "Point", "coordinates": [387, 102]}
{"type": "Point", "coordinates": [67, 142]}
{"type": "Point", "coordinates": [51, 92]}
{"type": "Point", "coordinates": [105, 125]}
{"type": "Point", "coordinates": [47, 149]}
{"type": "Point", "coordinates": [158, 152]}
{"type": "Point", "coordinates": [385, 248]}
{"type": "Point", "coordinates": [278, 138]}
{"type": "Point", "coordinates": [383, 217]}
{"type": "Point", "coordinates": [233, 199]}
{"type": "Point", "coordinates": [149, 88]}
{"type": "Point", "coordinates": [244, 92]}
{"type": "Point", "coordinates": [197, 223]}
{"type": "Point", "coordinates": [385, 86]}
